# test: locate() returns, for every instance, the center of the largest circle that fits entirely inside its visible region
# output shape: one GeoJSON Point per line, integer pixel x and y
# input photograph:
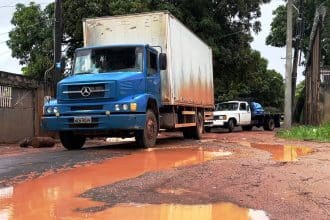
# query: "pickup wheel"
{"type": "Point", "coordinates": [269, 125]}
{"type": "Point", "coordinates": [72, 141]}
{"type": "Point", "coordinates": [231, 125]}
{"type": "Point", "coordinates": [207, 129]}
{"type": "Point", "coordinates": [247, 128]}
{"type": "Point", "coordinates": [147, 137]}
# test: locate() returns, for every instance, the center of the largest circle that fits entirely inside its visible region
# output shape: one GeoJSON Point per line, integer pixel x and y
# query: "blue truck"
{"type": "Point", "coordinates": [135, 76]}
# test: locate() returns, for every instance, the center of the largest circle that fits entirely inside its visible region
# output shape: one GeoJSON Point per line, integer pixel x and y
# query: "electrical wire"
{"type": "Point", "coordinates": [51, 19]}
{"type": "Point", "coordinates": [13, 6]}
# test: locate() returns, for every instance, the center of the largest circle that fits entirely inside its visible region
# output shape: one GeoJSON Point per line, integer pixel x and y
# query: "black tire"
{"type": "Point", "coordinates": [148, 136]}
{"type": "Point", "coordinates": [231, 125]}
{"type": "Point", "coordinates": [269, 125]}
{"type": "Point", "coordinates": [72, 141]}
{"type": "Point", "coordinates": [197, 131]}
{"type": "Point", "coordinates": [247, 128]}
{"type": "Point", "coordinates": [207, 129]}
{"type": "Point", "coordinates": [187, 133]}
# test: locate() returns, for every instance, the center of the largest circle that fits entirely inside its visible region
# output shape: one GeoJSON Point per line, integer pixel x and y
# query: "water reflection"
{"type": "Point", "coordinates": [223, 211]}
{"type": "Point", "coordinates": [56, 196]}
{"type": "Point", "coordinates": [284, 152]}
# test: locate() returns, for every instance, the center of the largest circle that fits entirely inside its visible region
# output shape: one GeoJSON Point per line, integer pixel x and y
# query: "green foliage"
{"type": "Point", "coordinates": [321, 133]}
{"type": "Point", "coordinates": [299, 89]}
{"type": "Point", "coordinates": [277, 36]}
{"type": "Point", "coordinates": [31, 40]}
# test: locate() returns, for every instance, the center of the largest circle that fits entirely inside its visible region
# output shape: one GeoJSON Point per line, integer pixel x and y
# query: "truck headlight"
{"type": "Point", "coordinates": [55, 110]}
{"type": "Point", "coordinates": [222, 117]}
{"type": "Point", "coordinates": [117, 107]}
{"type": "Point", "coordinates": [49, 110]}
{"type": "Point", "coordinates": [125, 107]}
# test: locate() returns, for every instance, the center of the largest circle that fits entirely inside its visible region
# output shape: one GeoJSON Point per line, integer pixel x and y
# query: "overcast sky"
{"type": "Point", "coordinates": [275, 56]}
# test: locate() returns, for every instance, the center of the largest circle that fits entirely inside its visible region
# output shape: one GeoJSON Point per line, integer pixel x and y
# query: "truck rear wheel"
{"type": "Point", "coordinates": [269, 125]}
{"type": "Point", "coordinates": [198, 130]}
{"type": "Point", "coordinates": [72, 141]}
{"type": "Point", "coordinates": [187, 133]}
{"type": "Point", "coordinates": [194, 132]}
{"type": "Point", "coordinates": [147, 137]}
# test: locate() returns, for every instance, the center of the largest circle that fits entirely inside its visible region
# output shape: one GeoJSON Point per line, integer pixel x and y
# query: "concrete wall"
{"type": "Point", "coordinates": [17, 122]}
{"type": "Point", "coordinates": [21, 118]}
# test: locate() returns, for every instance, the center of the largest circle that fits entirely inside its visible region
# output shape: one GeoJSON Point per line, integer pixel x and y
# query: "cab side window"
{"type": "Point", "coordinates": [242, 107]}
{"type": "Point", "coordinates": [152, 63]}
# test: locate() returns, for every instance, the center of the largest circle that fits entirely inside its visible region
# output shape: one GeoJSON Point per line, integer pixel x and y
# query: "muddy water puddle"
{"type": "Point", "coordinates": [56, 196]}
{"type": "Point", "coordinates": [223, 211]}
{"type": "Point", "coordinates": [285, 153]}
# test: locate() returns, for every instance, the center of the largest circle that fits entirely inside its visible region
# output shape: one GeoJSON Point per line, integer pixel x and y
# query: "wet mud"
{"type": "Point", "coordinates": [220, 177]}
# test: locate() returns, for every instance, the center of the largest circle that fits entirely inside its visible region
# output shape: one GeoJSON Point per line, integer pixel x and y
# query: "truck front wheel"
{"type": "Point", "coordinates": [72, 141]}
{"type": "Point", "coordinates": [147, 137]}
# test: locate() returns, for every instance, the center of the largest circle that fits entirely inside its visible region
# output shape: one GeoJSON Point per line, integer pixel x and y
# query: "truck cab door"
{"type": "Point", "coordinates": [153, 75]}
{"type": "Point", "coordinates": [244, 114]}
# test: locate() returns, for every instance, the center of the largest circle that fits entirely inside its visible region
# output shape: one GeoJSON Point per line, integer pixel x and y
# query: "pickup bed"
{"type": "Point", "coordinates": [240, 113]}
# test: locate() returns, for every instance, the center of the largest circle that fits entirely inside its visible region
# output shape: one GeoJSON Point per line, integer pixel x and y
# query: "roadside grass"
{"type": "Point", "coordinates": [307, 133]}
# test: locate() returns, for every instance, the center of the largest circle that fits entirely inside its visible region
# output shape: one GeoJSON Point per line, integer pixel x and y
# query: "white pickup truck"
{"type": "Point", "coordinates": [244, 114]}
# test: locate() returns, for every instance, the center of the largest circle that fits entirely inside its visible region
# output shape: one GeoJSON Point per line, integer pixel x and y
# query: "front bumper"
{"type": "Point", "coordinates": [215, 123]}
{"type": "Point", "coordinates": [99, 123]}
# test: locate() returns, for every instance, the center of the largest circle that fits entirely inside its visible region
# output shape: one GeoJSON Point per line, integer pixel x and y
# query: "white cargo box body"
{"type": "Point", "coordinates": [188, 80]}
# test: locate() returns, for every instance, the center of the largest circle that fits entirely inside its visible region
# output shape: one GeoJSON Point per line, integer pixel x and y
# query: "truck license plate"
{"type": "Point", "coordinates": [82, 120]}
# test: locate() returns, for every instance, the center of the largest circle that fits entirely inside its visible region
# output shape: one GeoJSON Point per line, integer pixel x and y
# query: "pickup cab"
{"type": "Point", "coordinates": [241, 113]}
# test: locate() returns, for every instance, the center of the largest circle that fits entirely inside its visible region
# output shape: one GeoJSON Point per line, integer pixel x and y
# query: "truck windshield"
{"type": "Point", "coordinates": [106, 60]}
{"type": "Point", "coordinates": [227, 106]}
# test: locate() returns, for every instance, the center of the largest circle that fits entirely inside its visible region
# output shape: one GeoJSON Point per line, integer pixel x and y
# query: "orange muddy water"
{"type": "Point", "coordinates": [219, 211]}
{"type": "Point", "coordinates": [284, 152]}
{"type": "Point", "coordinates": [56, 196]}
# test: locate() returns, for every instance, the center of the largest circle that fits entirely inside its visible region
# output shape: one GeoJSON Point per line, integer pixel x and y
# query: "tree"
{"type": "Point", "coordinates": [31, 40]}
{"type": "Point", "coordinates": [277, 36]}
{"type": "Point", "coordinates": [225, 25]}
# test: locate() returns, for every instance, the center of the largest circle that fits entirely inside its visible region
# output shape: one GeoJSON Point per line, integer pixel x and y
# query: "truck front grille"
{"type": "Point", "coordinates": [85, 91]}
{"type": "Point", "coordinates": [86, 108]}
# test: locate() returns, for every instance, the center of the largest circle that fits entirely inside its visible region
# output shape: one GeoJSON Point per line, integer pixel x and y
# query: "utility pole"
{"type": "Point", "coordinates": [288, 69]}
{"type": "Point", "coordinates": [57, 42]}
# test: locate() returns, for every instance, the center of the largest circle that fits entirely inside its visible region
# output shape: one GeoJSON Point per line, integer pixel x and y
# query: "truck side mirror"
{"type": "Point", "coordinates": [162, 61]}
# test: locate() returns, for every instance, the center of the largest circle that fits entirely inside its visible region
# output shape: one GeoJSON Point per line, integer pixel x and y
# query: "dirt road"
{"type": "Point", "coordinates": [239, 175]}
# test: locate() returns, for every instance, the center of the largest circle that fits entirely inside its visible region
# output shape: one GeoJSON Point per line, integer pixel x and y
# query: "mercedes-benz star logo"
{"type": "Point", "coordinates": [85, 91]}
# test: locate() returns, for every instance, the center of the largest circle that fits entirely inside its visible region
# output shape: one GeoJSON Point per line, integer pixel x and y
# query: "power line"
{"type": "Point", "coordinates": [51, 19]}
{"type": "Point", "coordinates": [4, 33]}
{"type": "Point", "coordinates": [2, 53]}
{"type": "Point", "coordinates": [13, 6]}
